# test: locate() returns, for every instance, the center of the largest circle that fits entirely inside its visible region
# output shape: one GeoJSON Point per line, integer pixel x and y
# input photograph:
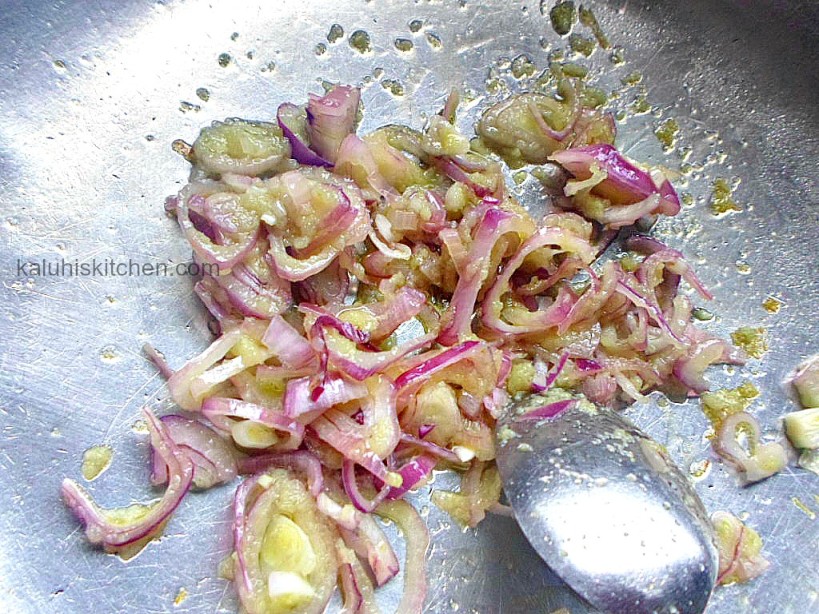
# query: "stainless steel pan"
{"type": "Point", "coordinates": [92, 94]}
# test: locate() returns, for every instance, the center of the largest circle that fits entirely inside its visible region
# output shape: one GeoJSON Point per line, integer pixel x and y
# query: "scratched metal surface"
{"type": "Point", "coordinates": [90, 97]}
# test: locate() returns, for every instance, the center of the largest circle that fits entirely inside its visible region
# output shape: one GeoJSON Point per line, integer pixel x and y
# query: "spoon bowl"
{"type": "Point", "coordinates": [605, 508]}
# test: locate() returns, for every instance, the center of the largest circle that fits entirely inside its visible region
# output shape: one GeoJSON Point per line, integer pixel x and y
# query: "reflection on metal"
{"type": "Point", "coordinates": [91, 97]}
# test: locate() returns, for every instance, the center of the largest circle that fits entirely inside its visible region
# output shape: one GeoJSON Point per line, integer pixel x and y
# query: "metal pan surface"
{"type": "Point", "coordinates": [93, 93]}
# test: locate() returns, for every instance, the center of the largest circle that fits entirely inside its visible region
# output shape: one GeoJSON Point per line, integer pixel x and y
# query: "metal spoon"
{"type": "Point", "coordinates": [607, 510]}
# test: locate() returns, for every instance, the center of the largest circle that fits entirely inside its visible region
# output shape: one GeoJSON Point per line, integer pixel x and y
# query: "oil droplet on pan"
{"type": "Point", "coordinates": [434, 40]}
{"type": "Point", "coordinates": [396, 88]}
{"type": "Point", "coordinates": [360, 41]}
{"type": "Point", "coordinates": [335, 34]}
{"type": "Point", "coordinates": [95, 460]}
{"type": "Point", "coordinates": [180, 596]}
{"type": "Point", "coordinates": [403, 44]}
{"type": "Point", "coordinates": [772, 304]}
{"type": "Point", "coordinates": [109, 355]}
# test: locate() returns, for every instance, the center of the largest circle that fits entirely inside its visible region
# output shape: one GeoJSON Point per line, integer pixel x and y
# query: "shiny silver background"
{"type": "Point", "coordinates": [90, 96]}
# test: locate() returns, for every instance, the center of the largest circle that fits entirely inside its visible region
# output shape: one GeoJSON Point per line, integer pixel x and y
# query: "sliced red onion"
{"type": "Point", "coordinates": [330, 118]}
{"type": "Point", "coordinates": [662, 258]}
{"type": "Point", "coordinates": [558, 135]}
{"type": "Point", "coordinates": [293, 122]}
{"type": "Point", "coordinates": [344, 515]}
{"type": "Point", "coordinates": [204, 469]}
{"type": "Point", "coordinates": [287, 344]}
{"type": "Point", "coordinates": [220, 410]}
{"type": "Point", "coordinates": [425, 429]}
{"type": "Point", "coordinates": [629, 388]}
{"type": "Point", "coordinates": [298, 269]}
{"type": "Point", "coordinates": [333, 225]}
{"type": "Point", "coordinates": [239, 183]}
{"type": "Point", "coordinates": [645, 370]}
{"type": "Point", "coordinates": [403, 305]}
{"type": "Point", "coordinates": [505, 368]}
{"type": "Point", "coordinates": [671, 201]}
{"type": "Point", "coordinates": [180, 382]}
{"type": "Point", "coordinates": [333, 285]}
{"type": "Point", "coordinates": [496, 401]}
{"type": "Point", "coordinates": [241, 504]}
{"type": "Point", "coordinates": [359, 597]}
{"type": "Point", "coordinates": [276, 374]}
{"type": "Point", "coordinates": [361, 503]}
{"type": "Point", "coordinates": [355, 160]}
{"type": "Point", "coordinates": [299, 460]}
{"type": "Point", "coordinates": [552, 410]}
{"type": "Point", "coordinates": [360, 364]}
{"type": "Point", "coordinates": [594, 127]}
{"type": "Point", "coordinates": [404, 221]}
{"type": "Point", "coordinates": [542, 319]}
{"type": "Point", "coordinates": [806, 382]}
{"type": "Point", "coordinates": [736, 563]}
{"type": "Point", "coordinates": [101, 529]}
{"type": "Point", "coordinates": [411, 442]}
{"type": "Point", "coordinates": [470, 405]}
{"type": "Point", "coordinates": [348, 437]}
{"type": "Point", "coordinates": [256, 501]}
{"type": "Point", "coordinates": [171, 202]}
{"type": "Point", "coordinates": [449, 168]}
{"type": "Point", "coordinates": [252, 388]}
{"type": "Point", "coordinates": [380, 417]}
{"type": "Point", "coordinates": [653, 310]}
{"type": "Point", "coordinates": [413, 473]}
{"type": "Point", "coordinates": [370, 543]}
{"type": "Point", "coordinates": [253, 289]}
{"type": "Point", "coordinates": [450, 106]}
{"type": "Point", "coordinates": [760, 461]}
{"type": "Point", "coordinates": [416, 536]}
{"type": "Point", "coordinates": [543, 379]}
{"type": "Point", "coordinates": [407, 381]}
{"type": "Point", "coordinates": [690, 369]}
{"type": "Point", "coordinates": [347, 224]}
{"type": "Point", "coordinates": [356, 363]}
{"type": "Point", "coordinates": [325, 319]}
{"type": "Point", "coordinates": [340, 403]}
{"type": "Point", "coordinates": [451, 239]}
{"type": "Point", "coordinates": [587, 366]}
{"type": "Point", "coordinates": [219, 212]}
{"type": "Point", "coordinates": [158, 359]}
{"type": "Point", "coordinates": [378, 266]}
{"type": "Point", "coordinates": [300, 404]}
{"type": "Point", "coordinates": [397, 251]}
{"type": "Point", "coordinates": [214, 298]}
{"type": "Point", "coordinates": [212, 457]}
{"type": "Point", "coordinates": [544, 280]}
{"type": "Point", "coordinates": [201, 223]}
{"type": "Point", "coordinates": [212, 379]}
{"type": "Point", "coordinates": [495, 223]}
{"type": "Point", "coordinates": [620, 216]}
{"type": "Point", "coordinates": [645, 244]}
{"type": "Point", "coordinates": [470, 162]}
{"type": "Point", "coordinates": [624, 184]}
{"type": "Point", "coordinates": [600, 389]}
{"type": "Point", "coordinates": [594, 298]}
{"type": "Point", "coordinates": [353, 597]}
{"type": "Point", "coordinates": [226, 254]}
